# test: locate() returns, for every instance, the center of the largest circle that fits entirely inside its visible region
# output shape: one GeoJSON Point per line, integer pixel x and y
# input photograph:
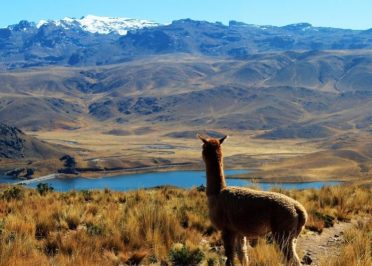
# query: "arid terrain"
{"type": "Point", "coordinates": [296, 100]}
{"type": "Point", "coordinates": [291, 116]}
{"type": "Point", "coordinates": [271, 160]}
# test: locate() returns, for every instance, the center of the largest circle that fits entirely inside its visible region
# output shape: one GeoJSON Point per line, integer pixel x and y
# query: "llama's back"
{"type": "Point", "coordinates": [255, 212]}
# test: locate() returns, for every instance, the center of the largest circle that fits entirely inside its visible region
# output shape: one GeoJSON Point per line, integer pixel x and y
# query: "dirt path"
{"type": "Point", "coordinates": [315, 246]}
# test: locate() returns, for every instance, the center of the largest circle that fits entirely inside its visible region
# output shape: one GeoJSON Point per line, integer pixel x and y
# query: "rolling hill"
{"type": "Point", "coordinates": [22, 155]}
{"type": "Point", "coordinates": [14, 144]}
{"type": "Point", "coordinates": [290, 95]}
{"type": "Point", "coordinates": [111, 91]}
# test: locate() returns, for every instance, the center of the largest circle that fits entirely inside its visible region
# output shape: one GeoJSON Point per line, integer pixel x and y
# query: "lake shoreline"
{"type": "Point", "coordinates": [194, 167]}
{"type": "Point", "coordinates": [93, 175]}
{"type": "Point", "coordinates": [185, 179]}
{"type": "Point", "coordinates": [141, 170]}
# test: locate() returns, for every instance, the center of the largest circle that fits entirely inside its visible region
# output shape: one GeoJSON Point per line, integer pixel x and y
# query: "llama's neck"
{"type": "Point", "coordinates": [215, 176]}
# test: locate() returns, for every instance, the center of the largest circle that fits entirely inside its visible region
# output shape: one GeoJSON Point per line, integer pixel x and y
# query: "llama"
{"type": "Point", "coordinates": [242, 213]}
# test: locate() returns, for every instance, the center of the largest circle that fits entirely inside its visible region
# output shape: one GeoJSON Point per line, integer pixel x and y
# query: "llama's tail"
{"type": "Point", "coordinates": [302, 217]}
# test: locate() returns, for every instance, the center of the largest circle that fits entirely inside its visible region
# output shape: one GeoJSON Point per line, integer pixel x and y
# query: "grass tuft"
{"type": "Point", "coordinates": [181, 255]}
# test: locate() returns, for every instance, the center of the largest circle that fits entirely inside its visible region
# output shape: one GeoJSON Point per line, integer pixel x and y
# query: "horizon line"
{"type": "Point", "coordinates": [202, 20]}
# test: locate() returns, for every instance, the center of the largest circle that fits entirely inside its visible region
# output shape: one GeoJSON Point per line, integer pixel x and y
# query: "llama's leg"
{"type": "Point", "coordinates": [229, 245]}
{"type": "Point", "coordinates": [289, 251]}
{"type": "Point", "coordinates": [287, 244]}
{"type": "Point", "coordinates": [242, 250]}
{"type": "Point", "coordinates": [295, 257]}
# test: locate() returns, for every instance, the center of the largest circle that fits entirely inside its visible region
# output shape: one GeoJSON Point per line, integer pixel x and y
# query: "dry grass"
{"type": "Point", "coordinates": [357, 248]}
{"type": "Point", "coordinates": [133, 150]}
{"type": "Point", "coordinates": [278, 161]}
{"type": "Point", "coordinates": [114, 228]}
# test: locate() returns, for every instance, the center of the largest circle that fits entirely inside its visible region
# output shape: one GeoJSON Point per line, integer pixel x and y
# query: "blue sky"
{"type": "Point", "coordinates": [355, 14]}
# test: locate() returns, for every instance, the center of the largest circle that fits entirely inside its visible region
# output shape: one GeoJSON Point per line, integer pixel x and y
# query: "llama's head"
{"type": "Point", "coordinates": [212, 148]}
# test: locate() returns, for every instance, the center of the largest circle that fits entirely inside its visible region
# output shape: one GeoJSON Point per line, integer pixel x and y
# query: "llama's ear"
{"type": "Point", "coordinates": [223, 139]}
{"type": "Point", "coordinates": [202, 138]}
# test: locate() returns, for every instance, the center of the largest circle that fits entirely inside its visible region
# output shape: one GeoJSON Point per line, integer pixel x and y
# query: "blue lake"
{"type": "Point", "coordinates": [183, 179]}
{"type": "Point", "coordinates": [6, 179]}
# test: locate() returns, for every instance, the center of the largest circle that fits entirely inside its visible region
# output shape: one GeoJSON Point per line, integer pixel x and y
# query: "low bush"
{"type": "Point", "coordinates": [87, 195]}
{"type": "Point", "coordinates": [95, 229]}
{"type": "Point", "coordinates": [181, 255]}
{"type": "Point", "coordinates": [44, 188]}
{"type": "Point", "coordinates": [11, 193]}
{"type": "Point", "coordinates": [72, 221]}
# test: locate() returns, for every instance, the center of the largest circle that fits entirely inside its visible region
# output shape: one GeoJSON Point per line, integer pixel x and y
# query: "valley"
{"type": "Point", "coordinates": [100, 163]}
{"type": "Point", "coordinates": [294, 113]}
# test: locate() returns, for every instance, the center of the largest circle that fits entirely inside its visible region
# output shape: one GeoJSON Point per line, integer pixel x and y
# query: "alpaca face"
{"type": "Point", "coordinates": [212, 148]}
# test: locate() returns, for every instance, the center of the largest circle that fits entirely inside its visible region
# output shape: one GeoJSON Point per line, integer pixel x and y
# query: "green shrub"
{"type": "Point", "coordinates": [327, 219]}
{"type": "Point", "coordinates": [181, 255]}
{"type": "Point", "coordinates": [44, 188]}
{"type": "Point", "coordinates": [212, 261]}
{"type": "Point", "coordinates": [87, 195]}
{"type": "Point", "coordinates": [12, 193]}
{"type": "Point", "coordinates": [2, 225]}
{"type": "Point", "coordinates": [95, 229]}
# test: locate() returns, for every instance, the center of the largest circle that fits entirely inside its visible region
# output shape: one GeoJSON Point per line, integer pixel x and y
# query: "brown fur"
{"type": "Point", "coordinates": [242, 213]}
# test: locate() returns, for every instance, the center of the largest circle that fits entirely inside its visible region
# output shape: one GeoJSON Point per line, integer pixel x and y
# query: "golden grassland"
{"type": "Point", "coordinates": [110, 149]}
{"type": "Point", "coordinates": [280, 160]}
{"type": "Point", "coordinates": [356, 250]}
{"type": "Point", "coordinates": [158, 226]}
{"type": "Point", "coordinates": [285, 160]}
{"type": "Point", "coordinates": [94, 143]}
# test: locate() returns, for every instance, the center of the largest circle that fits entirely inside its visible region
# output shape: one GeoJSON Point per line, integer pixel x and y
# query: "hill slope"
{"type": "Point", "coordinates": [114, 95]}
{"type": "Point", "coordinates": [25, 156]}
{"type": "Point", "coordinates": [14, 144]}
{"type": "Point", "coordinates": [293, 95]}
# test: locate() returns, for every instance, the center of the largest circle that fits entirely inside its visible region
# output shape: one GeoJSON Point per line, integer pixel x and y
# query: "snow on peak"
{"type": "Point", "coordinates": [102, 25]}
{"type": "Point", "coordinates": [41, 23]}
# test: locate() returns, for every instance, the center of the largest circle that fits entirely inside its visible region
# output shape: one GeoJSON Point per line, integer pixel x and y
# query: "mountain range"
{"type": "Point", "coordinates": [122, 77]}
{"type": "Point", "coordinates": [96, 41]}
{"type": "Point", "coordinates": [305, 94]}
{"type": "Point", "coordinates": [296, 80]}
{"type": "Point", "coordinates": [101, 25]}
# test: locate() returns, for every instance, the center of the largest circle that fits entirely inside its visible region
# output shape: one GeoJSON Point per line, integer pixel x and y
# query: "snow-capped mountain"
{"type": "Point", "coordinates": [93, 40]}
{"type": "Point", "coordinates": [101, 25]}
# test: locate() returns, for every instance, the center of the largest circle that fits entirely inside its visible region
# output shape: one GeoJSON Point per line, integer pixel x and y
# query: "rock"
{"type": "Point", "coordinates": [15, 172]}
{"type": "Point", "coordinates": [307, 260]}
{"type": "Point", "coordinates": [21, 172]}
{"type": "Point", "coordinates": [215, 249]}
{"type": "Point", "coordinates": [29, 172]}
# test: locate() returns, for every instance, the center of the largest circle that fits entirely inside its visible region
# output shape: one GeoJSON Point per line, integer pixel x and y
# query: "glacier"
{"type": "Point", "coordinates": [100, 24]}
